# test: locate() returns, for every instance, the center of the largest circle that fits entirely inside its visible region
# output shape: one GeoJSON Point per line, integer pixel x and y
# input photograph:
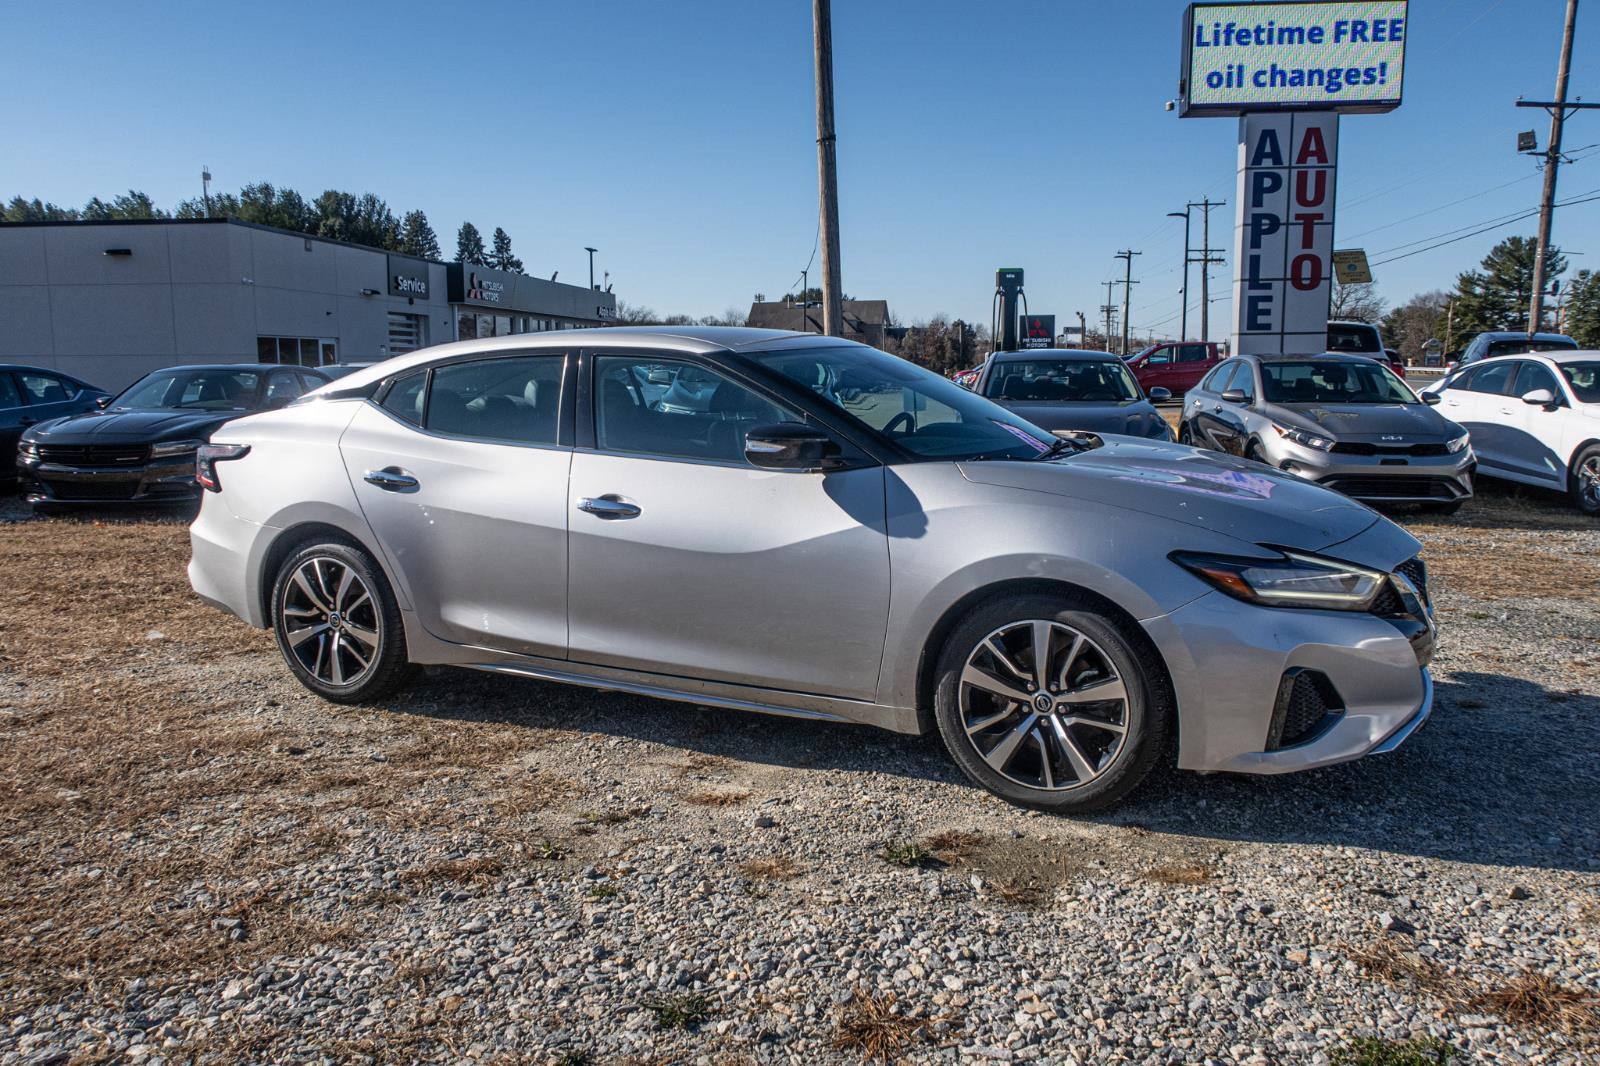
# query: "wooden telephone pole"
{"type": "Point", "coordinates": [1127, 293]}
{"type": "Point", "coordinates": [827, 170]}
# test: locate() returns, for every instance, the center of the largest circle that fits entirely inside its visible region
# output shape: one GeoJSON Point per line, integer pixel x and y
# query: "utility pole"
{"type": "Point", "coordinates": [1108, 309]}
{"type": "Point", "coordinates": [205, 186]}
{"type": "Point", "coordinates": [827, 169]}
{"type": "Point", "coordinates": [1183, 328]}
{"type": "Point", "coordinates": [1083, 329]}
{"type": "Point", "coordinates": [591, 252]}
{"type": "Point", "coordinates": [1127, 292]}
{"type": "Point", "coordinates": [1205, 262]}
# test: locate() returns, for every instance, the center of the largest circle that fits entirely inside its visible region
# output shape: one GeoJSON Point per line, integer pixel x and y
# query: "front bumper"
{"type": "Point", "coordinates": [165, 480]}
{"type": "Point", "coordinates": [1393, 478]}
{"type": "Point", "coordinates": [1231, 664]}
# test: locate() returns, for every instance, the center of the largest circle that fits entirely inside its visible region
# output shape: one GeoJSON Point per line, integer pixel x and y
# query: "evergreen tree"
{"type": "Point", "coordinates": [134, 204]}
{"type": "Point", "coordinates": [417, 237]}
{"type": "Point", "coordinates": [1582, 318]}
{"type": "Point", "coordinates": [36, 210]}
{"type": "Point", "coordinates": [363, 219]}
{"type": "Point", "coordinates": [1496, 296]}
{"type": "Point", "coordinates": [500, 256]}
{"type": "Point", "coordinates": [469, 246]}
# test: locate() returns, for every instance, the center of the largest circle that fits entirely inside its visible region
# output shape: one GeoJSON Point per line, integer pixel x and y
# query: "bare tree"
{"type": "Point", "coordinates": [1355, 303]}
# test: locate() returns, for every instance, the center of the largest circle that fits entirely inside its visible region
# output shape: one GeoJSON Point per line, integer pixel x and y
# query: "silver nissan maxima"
{"type": "Point", "coordinates": [787, 523]}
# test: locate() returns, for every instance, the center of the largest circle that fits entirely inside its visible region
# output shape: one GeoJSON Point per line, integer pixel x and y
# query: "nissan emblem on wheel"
{"type": "Point", "coordinates": [437, 509]}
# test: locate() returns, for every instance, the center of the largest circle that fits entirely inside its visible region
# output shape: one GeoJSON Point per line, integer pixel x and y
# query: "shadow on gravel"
{"type": "Point", "coordinates": [1503, 774]}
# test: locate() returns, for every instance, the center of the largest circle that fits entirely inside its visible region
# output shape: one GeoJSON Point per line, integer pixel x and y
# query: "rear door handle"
{"type": "Point", "coordinates": [609, 506]}
{"type": "Point", "coordinates": [391, 479]}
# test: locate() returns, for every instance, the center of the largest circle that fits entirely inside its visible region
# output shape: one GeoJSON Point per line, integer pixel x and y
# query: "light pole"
{"type": "Point", "coordinates": [1183, 329]}
{"type": "Point", "coordinates": [591, 252]}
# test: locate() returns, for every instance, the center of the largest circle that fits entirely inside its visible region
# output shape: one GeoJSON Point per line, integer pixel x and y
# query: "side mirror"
{"type": "Point", "coordinates": [102, 402]}
{"type": "Point", "coordinates": [1160, 395]}
{"type": "Point", "coordinates": [1235, 396]}
{"type": "Point", "coordinates": [1539, 398]}
{"type": "Point", "coordinates": [659, 375]}
{"type": "Point", "coordinates": [1432, 399]}
{"type": "Point", "coordinates": [787, 446]}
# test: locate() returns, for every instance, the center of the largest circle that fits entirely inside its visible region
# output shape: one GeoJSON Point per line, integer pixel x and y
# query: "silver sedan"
{"type": "Point", "coordinates": [785, 523]}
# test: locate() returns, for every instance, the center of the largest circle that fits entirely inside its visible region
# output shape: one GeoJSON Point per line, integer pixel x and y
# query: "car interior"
{"type": "Point", "coordinates": [1060, 383]}
{"type": "Point", "coordinates": [496, 399]}
{"type": "Point", "coordinates": [628, 419]}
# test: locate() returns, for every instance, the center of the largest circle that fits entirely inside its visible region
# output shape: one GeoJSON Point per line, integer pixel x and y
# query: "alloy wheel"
{"type": "Point", "coordinates": [1043, 705]}
{"type": "Point", "coordinates": [330, 621]}
{"type": "Point", "coordinates": [1589, 482]}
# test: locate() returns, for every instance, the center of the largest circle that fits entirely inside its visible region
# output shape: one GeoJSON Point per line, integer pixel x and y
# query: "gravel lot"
{"type": "Point", "coordinates": [203, 862]}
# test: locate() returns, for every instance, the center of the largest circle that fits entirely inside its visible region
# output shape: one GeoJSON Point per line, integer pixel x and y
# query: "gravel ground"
{"type": "Point", "coordinates": [203, 862]}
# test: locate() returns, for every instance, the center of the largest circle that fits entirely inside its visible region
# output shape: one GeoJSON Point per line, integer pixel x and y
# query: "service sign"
{"type": "Point", "coordinates": [1343, 56]}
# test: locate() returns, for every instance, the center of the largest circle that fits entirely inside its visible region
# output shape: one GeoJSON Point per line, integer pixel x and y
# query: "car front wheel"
{"type": "Point", "coordinates": [337, 623]}
{"type": "Point", "coordinates": [1586, 480]}
{"type": "Point", "coordinates": [1048, 703]}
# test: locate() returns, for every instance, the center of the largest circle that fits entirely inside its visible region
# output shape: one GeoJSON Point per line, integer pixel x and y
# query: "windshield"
{"type": "Point", "coordinates": [1331, 382]}
{"type": "Point", "coordinates": [1061, 381]}
{"type": "Point", "coordinates": [1584, 379]}
{"type": "Point", "coordinates": [201, 390]}
{"type": "Point", "coordinates": [916, 408]}
{"type": "Point", "coordinates": [1521, 344]}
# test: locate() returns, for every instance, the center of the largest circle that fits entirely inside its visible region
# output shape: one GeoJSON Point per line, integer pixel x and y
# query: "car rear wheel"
{"type": "Point", "coordinates": [1586, 480]}
{"type": "Point", "coordinates": [1046, 702]}
{"type": "Point", "coordinates": [1184, 436]}
{"type": "Point", "coordinates": [337, 623]}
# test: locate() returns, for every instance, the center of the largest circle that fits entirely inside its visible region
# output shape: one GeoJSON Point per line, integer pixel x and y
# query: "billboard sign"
{"type": "Point", "coordinates": [1038, 331]}
{"type": "Point", "coordinates": [1350, 266]}
{"type": "Point", "coordinates": [1318, 55]}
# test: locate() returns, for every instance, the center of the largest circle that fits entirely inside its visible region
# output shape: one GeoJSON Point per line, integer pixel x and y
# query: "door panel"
{"type": "Point", "coordinates": [772, 578]}
{"type": "Point", "coordinates": [1533, 434]}
{"type": "Point", "coordinates": [480, 543]}
{"type": "Point", "coordinates": [1480, 413]}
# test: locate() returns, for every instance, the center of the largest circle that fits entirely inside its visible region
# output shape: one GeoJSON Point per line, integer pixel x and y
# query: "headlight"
{"type": "Point", "coordinates": [1294, 580]}
{"type": "Point", "coordinates": [174, 447]}
{"type": "Point", "coordinates": [28, 450]}
{"type": "Point", "coordinates": [1459, 443]}
{"type": "Point", "coordinates": [1300, 436]}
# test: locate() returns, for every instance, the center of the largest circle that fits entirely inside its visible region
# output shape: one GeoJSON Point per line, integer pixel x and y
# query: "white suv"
{"type": "Point", "coordinates": [1534, 418]}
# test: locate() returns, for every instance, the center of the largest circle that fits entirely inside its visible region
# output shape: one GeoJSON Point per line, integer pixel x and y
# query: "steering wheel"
{"type": "Point", "coordinates": [910, 427]}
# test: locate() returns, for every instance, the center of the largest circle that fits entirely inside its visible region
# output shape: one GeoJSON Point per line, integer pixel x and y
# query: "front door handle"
{"type": "Point", "coordinates": [610, 506]}
{"type": "Point", "coordinates": [391, 479]}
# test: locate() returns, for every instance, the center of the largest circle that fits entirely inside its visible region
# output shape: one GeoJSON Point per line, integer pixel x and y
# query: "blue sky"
{"type": "Point", "coordinates": [678, 137]}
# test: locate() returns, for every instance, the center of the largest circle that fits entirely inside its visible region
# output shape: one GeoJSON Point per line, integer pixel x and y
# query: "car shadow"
{"type": "Point", "coordinates": [1503, 774]}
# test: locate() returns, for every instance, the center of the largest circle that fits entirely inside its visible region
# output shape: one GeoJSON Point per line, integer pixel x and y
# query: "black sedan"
{"type": "Point", "coordinates": [30, 395]}
{"type": "Point", "coordinates": [1063, 390]}
{"type": "Point", "coordinates": [140, 447]}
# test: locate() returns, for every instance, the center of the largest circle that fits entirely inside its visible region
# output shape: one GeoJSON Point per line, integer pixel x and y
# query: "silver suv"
{"type": "Point", "coordinates": [1344, 421]}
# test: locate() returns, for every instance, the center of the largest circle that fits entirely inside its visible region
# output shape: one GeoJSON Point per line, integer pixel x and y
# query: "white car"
{"type": "Point", "coordinates": [1534, 418]}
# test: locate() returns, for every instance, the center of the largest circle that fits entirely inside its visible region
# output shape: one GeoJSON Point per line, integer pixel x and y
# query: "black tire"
{"type": "Point", "coordinates": [1184, 436]}
{"type": "Point", "coordinates": [339, 644]}
{"type": "Point", "coordinates": [1147, 709]}
{"type": "Point", "coordinates": [1252, 452]}
{"type": "Point", "coordinates": [1586, 495]}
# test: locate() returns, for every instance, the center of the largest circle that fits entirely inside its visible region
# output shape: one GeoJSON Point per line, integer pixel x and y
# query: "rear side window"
{"type": "Point", "coordinates": [1193, 353]}
{"type": "Point", "coordinates": [509, 399]}
{"type": "Point", "coordinates": [405, 396]}
{"type": "Point", "coordinates": [44, 388]}
{"type": "Point", "coordinates": [1494, 379]}
{"type": "Point", "coordinates": [8, 392]}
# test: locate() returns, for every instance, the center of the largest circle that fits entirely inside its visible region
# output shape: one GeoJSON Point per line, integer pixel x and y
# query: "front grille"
{"type": "Point", "coordinates": [92, 490]}
{"type": "Point", "coordinates": [1393, 488]}
{"type": "Point", "coordinates": [1416, 450]}
{"type": "Point", "coordinates": [1389, 603]}
{"type": "Point", "coordinates": [1416, 572]}
{"type": "Point", "coordinates": [94, 454]}
{"type": "Point", "coordinates": [1307, 704]}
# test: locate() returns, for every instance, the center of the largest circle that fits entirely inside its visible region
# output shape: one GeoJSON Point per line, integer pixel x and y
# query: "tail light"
{"type": "Point", "coordinates": [207, 458]}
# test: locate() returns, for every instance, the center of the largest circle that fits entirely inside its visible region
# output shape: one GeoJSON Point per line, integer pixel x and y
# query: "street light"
{"type": "Point", "coordinates": [591, 252]}
{"type": "Point", "coordinates": [1183, 328]}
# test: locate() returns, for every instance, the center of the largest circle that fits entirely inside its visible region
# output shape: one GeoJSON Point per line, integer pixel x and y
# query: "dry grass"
{"type": "Point", "coordinates": [1178, 873]}
{"type": "Point", "coordinates": [953, 845]}
{"type": "Point", "coordinates": [712, 798]}
{"type": "Point", "coordinates": [462, 871]}
{"type": "Point", "coordinates": [773, 868]}
{"type": "Point", "coordinates": [874, 1026]}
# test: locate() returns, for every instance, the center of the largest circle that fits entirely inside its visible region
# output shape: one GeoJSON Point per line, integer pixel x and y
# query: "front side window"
{"type": "Point", "coordinates": [1244, 379]}
{"type": "Point", "coordinates": [1331, 382]}
{"type": "Point", "coordinates": [202, 390]}
{"type": "Point", "coordinates": [671, 409]}
{"type": "Point", "coordinates": [1159, 357]}
{"type": "Point", "coordinates": [1494, 379]}
{"type": "Point", "coordinates": [8, 393]}
{"type": "Point", "coordinates": [1534, 376]}
{"type": "Point", "coordinates": [926, 414]}
{"type": "Point", "coordinates": [1583, 377]}
{"type": "Point", "coordinates": [509, 399]}
{"type": "Point", "coordinates": [1061, 381]}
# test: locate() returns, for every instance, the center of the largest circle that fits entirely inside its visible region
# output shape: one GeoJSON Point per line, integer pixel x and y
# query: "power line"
{"type": "Point", "coordinates": [1498, 223]}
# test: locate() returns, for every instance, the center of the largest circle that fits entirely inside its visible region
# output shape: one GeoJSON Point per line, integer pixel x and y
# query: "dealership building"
{"type": "Point", "coordinates": [110, 301]}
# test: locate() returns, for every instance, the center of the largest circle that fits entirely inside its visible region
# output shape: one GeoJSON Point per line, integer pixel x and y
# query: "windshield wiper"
{"type": "Point", "coordinates": [1061, 445]}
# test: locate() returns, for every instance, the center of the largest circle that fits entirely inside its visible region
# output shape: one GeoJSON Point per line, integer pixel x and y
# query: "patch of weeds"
{"type": "Point", "coordinates": [548, 849]}
{"type": "Point", "coordinates": [873, 1026]}
{"type": "Point", "coordinates": [684, 1011]}
{"type": "Point", "coordinates": [418, 971]}
{"type": "Point", "coordinates": [774, 868]}
{"type": "Point", "coordinates": [1373, 1051]}
{"type": "Point", "coordinates": [1388, 959]}
{"type": "Point", "coordinates": [953, 845]}
{"type": "Point", "coordinates": [324, 837]}
{"type": "Point", "coordinates": [481, 869]}
{"type": "Point", "coordinates": [714, 799]}
{"type": "Point", "coordinates": [1180, 873]}
{"type": "Point", "coordinates": [612, 817]}
{"type": "Point", "coordinates": [1535, 1001]}
{"type": "Point", "coordinates": [908, 853]}
{"type": "Point", "coordinates": [1022, 893]}
{"type": "Point", "coordinates": [604, 891]}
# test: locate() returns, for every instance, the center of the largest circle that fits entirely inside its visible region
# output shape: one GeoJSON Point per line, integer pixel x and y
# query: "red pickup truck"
{"type": "Point", "coordinates": [1176, 366]}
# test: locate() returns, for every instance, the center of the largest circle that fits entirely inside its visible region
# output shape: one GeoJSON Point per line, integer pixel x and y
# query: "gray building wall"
{"type": "Point", "coordinates": [191, 292]}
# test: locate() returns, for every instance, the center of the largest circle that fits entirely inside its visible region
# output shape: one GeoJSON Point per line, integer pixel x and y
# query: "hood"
{"type": "Point", "coordinates": [1241, 499]}
{"type": "Point", "coordinates": [1412, 423]}
{"type": "Point", "coordinates": [140, 426]}
{"type": "Point", "coordinates": [1135, 418]}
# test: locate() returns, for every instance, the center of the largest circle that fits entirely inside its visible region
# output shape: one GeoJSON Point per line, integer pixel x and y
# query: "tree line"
{"type": "Point", "coordinates": [341, 216]}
